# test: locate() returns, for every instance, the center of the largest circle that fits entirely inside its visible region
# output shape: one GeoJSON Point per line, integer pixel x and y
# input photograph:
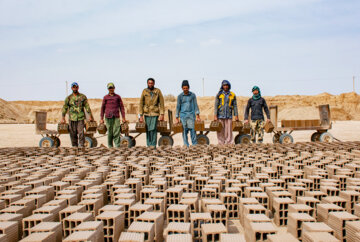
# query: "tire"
{"type": "Point", "coordinates": [236, 139]}
{"type": "Point", "coordinates": [244, 139]}
{"type": "Point", "coordinates": [133, 143]}
{"type": "Point", "coordinates": [286, 139]}
{"type": "Point", "coordinates": [46, 142]}
{"type": "Point", "coordinates": [126, 141]}
{"type": "Point", "coordinates": [166, 141]}
{"type": "Point", "coordinates": [89, 143]}
{"type": "Point", "coordinates": [57, 141]}
{"type": "Point", "coordinates": [202, 139]}
{"type": "Point", "coordinates": [315, 137]}
{"type": "Point", "coordinates": [326, 137]}
{"type": "Point", "coordinates": [276, 138]}
{"type": "Point", "coordinates": [95, 142]}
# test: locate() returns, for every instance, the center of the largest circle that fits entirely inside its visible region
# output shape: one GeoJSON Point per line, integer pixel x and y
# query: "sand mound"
{"type": "Point", "coordinates": [345, 106]}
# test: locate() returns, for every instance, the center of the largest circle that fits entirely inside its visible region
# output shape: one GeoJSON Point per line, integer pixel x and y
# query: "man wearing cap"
{"type": "Point", "coordinates": [225, 108]}
{"type": "Point", "coordinates": [186, 111]}
{"type": "Point", "coordinates": [257, 104]}
{"type": "Point", "coordinates": [76, 103]}
{"type": "Point", "coordinates": [151, 106]}
{"type": "Point", "coordinates": [111, 105]}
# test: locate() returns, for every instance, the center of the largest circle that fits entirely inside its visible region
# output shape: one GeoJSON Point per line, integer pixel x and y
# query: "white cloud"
{"type": "Point", "coordinates": [211, 42]}
{"type": "Point", "coordinates": [179, 41]}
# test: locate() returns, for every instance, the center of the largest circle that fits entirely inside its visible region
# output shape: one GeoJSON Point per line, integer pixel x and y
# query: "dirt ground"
{"type": "Point", "coordinates": [23, 135]}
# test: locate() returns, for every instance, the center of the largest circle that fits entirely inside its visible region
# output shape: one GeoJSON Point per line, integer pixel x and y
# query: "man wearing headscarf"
{"type": "Point", "coordinates": [257, 104]}
{"type": "Point", "coordinates": [76, 104]}
{"type": "Point", "coordinates": [111, 107]}
{"type": "Point", "coordinates": [186, 111]}
{"type": "Point", "coordinates": [225, 109]}
{"type": "Point", "coordinates": [151, 106]}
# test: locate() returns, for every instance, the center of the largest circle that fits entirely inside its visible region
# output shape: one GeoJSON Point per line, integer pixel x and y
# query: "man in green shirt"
{"type": "Point", "coordinates": [76, 103]}
{"type": "Point", "coordinates": [151, 106]}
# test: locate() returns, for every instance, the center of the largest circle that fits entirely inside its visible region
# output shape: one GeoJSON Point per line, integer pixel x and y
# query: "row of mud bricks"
{"type": "Point", "coordinates": [297, 192]}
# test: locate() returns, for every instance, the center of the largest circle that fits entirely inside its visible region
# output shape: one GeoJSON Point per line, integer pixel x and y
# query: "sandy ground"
{"type": "Point", "coordinates": [23, 135]}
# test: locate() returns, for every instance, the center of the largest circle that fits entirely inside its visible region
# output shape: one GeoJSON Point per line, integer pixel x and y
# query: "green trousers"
{"type": "Point", "coordinates": [113, 129]}
{"type": "Point", "coordinates": [151, 132]}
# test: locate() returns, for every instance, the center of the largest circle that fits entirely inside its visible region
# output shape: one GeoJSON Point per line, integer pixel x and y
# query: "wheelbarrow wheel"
{"type": "Point", "coordinates": [133, 142]}
{"type": "Point", "coordinates": [315, 136]}
{"type": "Point", "coordinates": [126, 141]}
{"type": "Point", "coordinates": [244, 139]}
{"type": "Point", "coordinates": [46, 142]}
{"type": "Point", "coordinates": [57, 141]}
{"type": "Point", "coordinates": [95, 142]}
{"type": "Point", "coordinates": [236, 139]}
{"type": "Point", "coordinates": [326, 137]}
{"type": "Point", "coordinates": [202, 139]}
{"type": "Point", "coordinates": [165, 141]}
{"type": "Point", "coordinates": [89, 143]}
{"type": "Point", "coordinates": [286, 139]}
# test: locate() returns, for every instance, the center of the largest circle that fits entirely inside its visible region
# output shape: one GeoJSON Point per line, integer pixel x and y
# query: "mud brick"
{"type": "Point", "coordinates": [10, 229]}
{"type": "Point", "coordinates": [209, 193]}
{"type": "Point", "coordinates": [112, 208]}
{"type": "Point", "coordinates": [200, 182]}
{"type": "Point", "coordinates": [66, 212]}
{"type": "Point", "coordinates": [260, 231]}
{"type": "Point", "coordinates": [318, 237]}
{"type": "Point", "coordinates": [8, 199]}
{"type": "Point", "coordinates": [2, 204]}
{"type": "Point", "coordinates": [352, 228]}
{"type": "Point", "coordinates": [70, 199]}
{"type": "Point", "coordinates": [178, 213]}
{"type": "Point", "coordinates": [338, 220]}
{"type": "Point", "coordinates": [77, 189]}
{"type": "Point", "coordinates": [352, 198]}
{"type": "Point", "coordinates": [241, 186]}
{"type": "Point", "coordinates": [296, 192]}
{"type": "Point", "coordinates": [249, 190]}
{"type": "Point", "coordinates": [193, 204]}
{"type": "Point", "coordinates": [71, 222]}
{"type": "Point", "coordinates": [316, 227]}
{"type": "Point", "coordinates": [40, 237]}
{"type": "Point", "coordinates": [254, 218]}
{"type": "Point", "coordinates": [177, 228]}
{"type": "Point", "coordinates": [27, 203]}
{"type": "Point", "coordinates": [330, 190]}
{"type": "Point", "coordinates": [125, 196]}
{"type": "Point", "coordinates": [44, 227]}
{"type": "Point", "coordinates": [310, 201]}
{"type": "Point", "coordinates": [161, 185]}
{"type": "Point", "coordinates": [127, 203]}
{"type": "Point", "coordinates": [324, 209]}
{"type": "Point", "coordinates": [145, 193]}
{"type": "Point", "coordinates": [131, 237]}
{"type": "Point", "coordinates": [262, 197]}
{"type": "Point", "coordinates": [301, 208]}
{"type": "Point", "coordinates": [341, 202]}
{"type": "Point", "coordinates": [252, 209]}
{"type": "Point", "coordinates": [135, 185]}
{"type": "Point", "coordinates": [157, 218]}
{"type": "Point", "coordinates": [96, 226]}
{"type": "Point", "coordinates": [232, 238]}
{"type": "Point", "coordinates": [137, 209]}
{"type": "Point", "coordinates": [235, 190]}
{"type": "Point", "coordinates": [8, 217]}
{"type": "Point", "coordinates": [357, 209]}
{"type": "Point", "coordinates": [61, 203]}
{"type": "Point", "coordinates": [278, 182]}
{"type": "Point", "coordinates": [219, 214]}
{"type": "Point", "coordinates": [16, 210]}
{"type": "Point", "coordinates": [282, 237]}
{"type": "Point", "coordinates": [92, 205]}
{"type": "Point", "coordinates": [158, 204]}
{"type": "Point", "coordinates": [315, 194]}
{"type": "Point", "coordinates": [212, 232]}
{"type": "Point", "coordinates": [316, 181]}
{"type": "Point", "coordinates": [206, 202]}
{"type": "Point", "coordinates": [190, 185]}
{"type": "Point", "coordinates": [295, 222]}
{"type": "Point", "coordinates": [113, 224]}
{"type": "Point", "coordinates": [53, 210]}
{"type": "Point", "coordinates": [173, 196]}
{"type": "Point", "coordinates": [142, 227]}
{"type": "Point", "coordinates": [179, 237]}
{"type": "Point", "coordinates": [197, 219]}
{"type": "Point", "coordinates": [80, 236]}
{"type": "Point", "coordinates": [281, 208]}
{"type": "Point", "coordinates": [31, 221]}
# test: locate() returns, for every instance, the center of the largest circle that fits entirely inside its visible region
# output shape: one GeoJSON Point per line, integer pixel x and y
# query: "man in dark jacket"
{"type": "Point", "coordinates": [111, 105]}
{"type": "Point", "coordinates": [256, 104]}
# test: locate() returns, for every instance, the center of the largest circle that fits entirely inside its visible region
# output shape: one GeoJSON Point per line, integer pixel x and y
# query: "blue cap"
{"type": "Point", "coordinates": [74, 84]}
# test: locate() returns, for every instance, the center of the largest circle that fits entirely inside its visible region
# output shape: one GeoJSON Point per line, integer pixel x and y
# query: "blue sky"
{"type": "Point", "coordinates": [285, 47]}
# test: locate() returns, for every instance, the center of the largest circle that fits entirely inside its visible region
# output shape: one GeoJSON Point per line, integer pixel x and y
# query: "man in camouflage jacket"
{"type": "Point", "coordinates": [76, 103]}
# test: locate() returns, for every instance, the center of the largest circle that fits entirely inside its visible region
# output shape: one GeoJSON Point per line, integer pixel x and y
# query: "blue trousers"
{"type": "Point", "coordinates": [192, 134]}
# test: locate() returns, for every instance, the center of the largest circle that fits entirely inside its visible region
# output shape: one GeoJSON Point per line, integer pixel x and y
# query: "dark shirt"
{"type": "Point", "coordinates": [111, 105]}
{"type": "Point", "coordinates": [257, 107]}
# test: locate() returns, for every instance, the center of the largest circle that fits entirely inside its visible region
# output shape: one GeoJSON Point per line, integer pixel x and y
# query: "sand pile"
{"type": "Point", "coordinates": [345, 106]}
